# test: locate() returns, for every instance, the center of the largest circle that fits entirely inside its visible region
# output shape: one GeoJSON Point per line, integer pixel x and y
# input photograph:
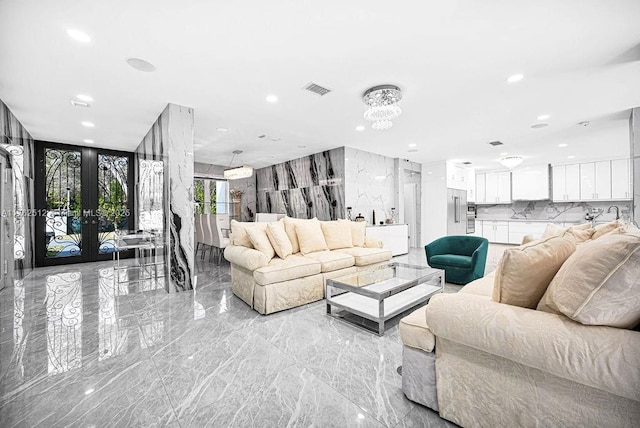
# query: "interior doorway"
{"type": "Point", "coordinates": [83, 195]}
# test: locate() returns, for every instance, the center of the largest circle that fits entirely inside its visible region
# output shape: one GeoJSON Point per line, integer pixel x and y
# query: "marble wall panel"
{"type": "Point", "coordinates": [371, 183]}
{"type": "Point", "coordinates": [569, 212]}
{"type": "Point", "coordinates": [170, 141]}
{"type": "Point", "coordinates": [17, 141]}
{"type": "Point", "coordinates": [311, 186]}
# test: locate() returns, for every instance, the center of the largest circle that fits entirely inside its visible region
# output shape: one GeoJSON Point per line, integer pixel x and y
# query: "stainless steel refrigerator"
{"type": "Point", "coordinates": [456, 212]}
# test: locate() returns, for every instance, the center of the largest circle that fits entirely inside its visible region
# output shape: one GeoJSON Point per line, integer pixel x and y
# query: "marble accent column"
{"type": "Point", "coordinates": [634, 136]}
{"type": "Point", "coordinates": [19, 143]}
{"type": "Point", "coordinates": [169, 145]}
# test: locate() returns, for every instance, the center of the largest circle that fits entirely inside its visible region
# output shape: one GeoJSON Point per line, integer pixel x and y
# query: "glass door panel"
{"type": "Point", "coordinates": [63, 203]}
{"type": "Point", "coordinates": [113, 201]}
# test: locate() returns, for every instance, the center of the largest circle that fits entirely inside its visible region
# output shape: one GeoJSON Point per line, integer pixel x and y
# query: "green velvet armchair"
{"type": "Point", "coordinates": [463, 258]}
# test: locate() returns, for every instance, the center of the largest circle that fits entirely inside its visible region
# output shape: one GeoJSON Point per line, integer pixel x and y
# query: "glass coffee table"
{"type": "Point", "coordinates": [381, 294]}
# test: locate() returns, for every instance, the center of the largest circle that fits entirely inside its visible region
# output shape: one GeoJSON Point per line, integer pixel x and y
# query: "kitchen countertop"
{"type": "Point", "coordinates": [385, 225]}
{"type": "Point", "coordinates": [522, 220]}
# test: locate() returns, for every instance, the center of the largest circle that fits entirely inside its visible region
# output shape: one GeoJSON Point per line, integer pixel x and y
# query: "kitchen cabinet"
{"type": "Point", "coordinates": [496, 231]}
{"type": "Point", "coordinates": [595, 181]}
{"type": "Point", "coordinates": [566, 183]}
{"type": "Point", "coordinates": [620, 179]}
{"type": "Point", "coordinates": [519, 229]}
{"type": "Point", "coordinates": [481, 192]}
{"type": "Point", "coordinates": [456, 177]}
{"type": "Point", "coordinates": [497, 188]}
{"type": "Point", "coordinates": [530, 183]}
{"type": "Point", "coordinates": [471, 185]}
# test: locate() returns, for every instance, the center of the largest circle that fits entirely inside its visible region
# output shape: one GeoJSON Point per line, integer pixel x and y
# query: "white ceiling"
{"type": "Point", "coordinates": [580, 58]}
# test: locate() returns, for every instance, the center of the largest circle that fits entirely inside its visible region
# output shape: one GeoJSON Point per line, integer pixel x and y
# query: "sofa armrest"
{"type": "Point", "coordinates": [606, 358]}
{"type": "Point", "coordinates": [247, 258]}
{"type": "Point", "coordinates": [370, 242]}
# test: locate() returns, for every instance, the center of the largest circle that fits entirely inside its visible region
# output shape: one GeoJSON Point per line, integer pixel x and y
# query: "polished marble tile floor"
{"type": "Point", "coordinates": [77, 351]}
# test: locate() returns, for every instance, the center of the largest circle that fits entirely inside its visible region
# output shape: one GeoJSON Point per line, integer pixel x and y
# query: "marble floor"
{"type": "Point", "coordinates": [77, 351]}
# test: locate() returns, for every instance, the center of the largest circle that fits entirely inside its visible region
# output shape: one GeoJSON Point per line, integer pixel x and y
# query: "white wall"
{"type": "Point", "coordinates": [434, 201]}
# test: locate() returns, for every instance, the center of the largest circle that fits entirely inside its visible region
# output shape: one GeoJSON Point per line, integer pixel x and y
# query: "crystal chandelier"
{"type": "Point", "coordinates": [511, 161]}
{"type": "Point", "coordinates": [239, 171]}
{"type": "Point", "coordinates": [382, 105]}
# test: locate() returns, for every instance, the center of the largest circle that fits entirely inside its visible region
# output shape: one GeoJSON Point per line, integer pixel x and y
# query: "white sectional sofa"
{"type": "Point", "coordinates": [549, 339]}
{"type": "Point", "coordinates": [284, 264]}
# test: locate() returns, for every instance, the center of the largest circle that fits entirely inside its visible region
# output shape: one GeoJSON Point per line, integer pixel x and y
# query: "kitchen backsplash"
{"type": "Point", "coordinates": [554, 211]}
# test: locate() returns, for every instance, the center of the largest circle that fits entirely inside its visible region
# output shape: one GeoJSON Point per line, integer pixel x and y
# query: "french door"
{"type": "Point", "coordinates": [82, 196]}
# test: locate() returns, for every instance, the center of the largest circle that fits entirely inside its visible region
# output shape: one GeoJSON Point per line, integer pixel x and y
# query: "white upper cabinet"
{"type": "Point", "coordinates": [530, 183]}
{"type": "Point", "coordinates": [493, 188]}
{"type": "Point", "coordinates": [471, 185]}
{"type": "Point", "coordinates": [620, 179]}
{"type": "Point", "coordinates": [457, 177]}
{"type": "Point", "coordinates": [592, 181]}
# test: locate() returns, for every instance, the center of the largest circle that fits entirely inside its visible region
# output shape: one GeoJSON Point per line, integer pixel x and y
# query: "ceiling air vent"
{"type": "Point", "coordinates": [495, 143]}
{"type": "Point", "coordinates": [316, 89]}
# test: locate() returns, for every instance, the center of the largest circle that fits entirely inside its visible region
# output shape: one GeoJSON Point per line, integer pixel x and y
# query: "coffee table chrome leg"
{"type": "Point", "coordinates": [381, 318]}
{"type": "Point", "coordinates": [328, 308]}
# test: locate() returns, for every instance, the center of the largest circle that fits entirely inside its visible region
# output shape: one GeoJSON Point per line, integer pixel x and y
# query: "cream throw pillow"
{"type": "Point", "coordinates": [599, 284]}
{"type": "Point", "coordinates": [605, 229]}
{"type": "Point", "coordinates": [581, 232]}
{"type": "Point", "coordinates": [358, 231]}
{"type": "Point", "coordinates": [337, 234]}
{"type": "Point", "coordinates": [279, 239]}
{"type": "Point", "coordinates": [260, 241]}
{"type": "Point", "coordinates": [239, 232]}
{"type": "Point", "coordinates": [524, 273]}
{"type": "Point", "coordinates": [290, 228]}
{"type": "Point", "coordinates": [310, 237]}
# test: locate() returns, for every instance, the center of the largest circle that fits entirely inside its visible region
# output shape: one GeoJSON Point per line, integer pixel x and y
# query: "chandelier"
{"type": "Point", "coordinates": [382, 105]}
{"type": "Point", "coordinates": [511, 162]}
{"type": "Point", "coordinates": [239, 171]}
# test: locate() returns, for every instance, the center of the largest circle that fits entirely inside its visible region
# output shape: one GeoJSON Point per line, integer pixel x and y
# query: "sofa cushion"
{"type": "Point", "coordinates": [239, 232]}
{"type": "Point", "coordinates": [260, 241]}
{"type": "Point", "coordinates": [310, 237]}
{"type": "Point", "coordinates": [331, 260]}
{"type": "Point", "coordinates": [279, 239]}
{"type": "Point", "coordinates": [599, 284]}
{"type": "Point", "coordinates": [481, 286]}
{"type": "Point", "coordinates": [366, 256]}
{"type": "Point", "coordinates": [337, 234]}
{"type": "Point", "coordinates": [358, 232]}
{"type": "Point", "coordinates": [290, 228]}
{"type": "Point", "coordinates": [606, 228]}
{"type": "Point", "coordinates": [247, 258]}
{"type": "Point", "coordinates": [293, 267]}
{"type": "Point", "coordinates": [448, 260]}
{"type": "Point", "coordinates": [414, 331]}
{"type": "Point", "coordinates": [524, 273]}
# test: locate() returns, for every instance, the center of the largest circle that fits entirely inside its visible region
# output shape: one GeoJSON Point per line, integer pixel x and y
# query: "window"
{"type": "Point", "coordinates": [210, 196]}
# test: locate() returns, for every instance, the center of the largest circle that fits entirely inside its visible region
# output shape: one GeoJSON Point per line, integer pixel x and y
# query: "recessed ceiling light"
{"type": "Point", "coordinates": [543, 117]}
{"type": "Point", "coordinates": [563, 145]}
{"type": "Point", "coordinates": [570, 157]}
{"type": "Point", "coordinates": [515, 78]}
{"type": "Point", "coordinates": [275, 138]}
{"type": "Point", "coordinates": [141, 64]}
{"type": "Point", "coordinates": [85, 98]}
{"type": "Point", "coordinates": [412, 145]}
{"type": "Point", "coordinates": [78, 35]}
{"type": "Point", "coordinates": [88, 124]}
{"type": "Point", "coordinates": [271, 99]}
{"type": "Point", "coordinates": [87, 141]}
{"type": "Point", "coordinates": [539, 125]}
{"type": "Point", "coordinates": [504, 154]}
{"type": "Point", "coordinates": [360, 128]}
{"type": "Point", "coordinates": [222, 129]}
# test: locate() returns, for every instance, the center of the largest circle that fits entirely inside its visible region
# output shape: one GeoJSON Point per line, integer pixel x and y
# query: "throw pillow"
{"type": "Point", "coordinates": [260, 241]}
{"type": "Point", "coordinates": [310, 237]}
{"type": "Point", "coordinates": [599, 284]}
{"type": "Point", "coordinates": [279, 239]}
{"type": "Point", "coordinates": [337, 234]}
{"type": "Point", "coordinates": [358, 231]}
{"type": "Point", "coordinates": [604, 229]}
{"type": "Point", "coordinates": [239, 234]}
{"type": "Point", "coordinates": [524, 273]}
{"type": "Point", "coordinates": [290, 227]}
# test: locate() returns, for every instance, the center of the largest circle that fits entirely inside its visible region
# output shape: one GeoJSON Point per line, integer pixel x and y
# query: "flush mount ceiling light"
{"type": "Point", "coordinates": [515, 78]}
{"type": "Point", "coordinates": [76, 103]}
{"type": "Point", "coordinates": [85, 98]}
{"type": "Point", "coordinates": [271, 99]}
{"type": "Point", "coordinates": [88, 124]}
{"type": "Point", "coordinates": [239, 171]}
{"type": "Point", "coordinates": [141, 64]}
{"type": "Point", "coordinates": [563, 145]}
{"type": "Point", "coordinates": [78, 35]}
{"type": "Point", "coordinates": [543, 117]}
{"type": "Point", "coordinates": [222, 129]}
{"type": "Point", "coordinates": [511, 162]}
{"type": "Point", "coordinates": [360, 128]}
{"type": "Point", "coordinates": [381, 105]}
{"type": "Point", "coordinates": [88, 141]}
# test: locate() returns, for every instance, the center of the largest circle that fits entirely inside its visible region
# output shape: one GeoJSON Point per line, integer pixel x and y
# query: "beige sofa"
{"type": "Point", "coordinates": [285, 264]}
{"type": "Point", "coordinates": [495, 355]}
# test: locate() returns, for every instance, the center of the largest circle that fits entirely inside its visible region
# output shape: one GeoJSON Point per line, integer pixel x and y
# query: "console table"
{"type": "Point", "coordinates": [394, 236]}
